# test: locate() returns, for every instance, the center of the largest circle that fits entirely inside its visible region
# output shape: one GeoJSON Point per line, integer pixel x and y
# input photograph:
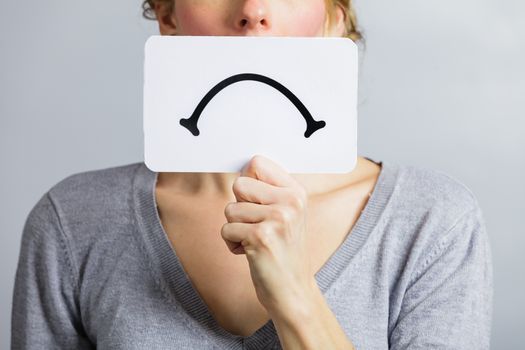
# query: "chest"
{"type": "Point", "coordinates": [221, 278]}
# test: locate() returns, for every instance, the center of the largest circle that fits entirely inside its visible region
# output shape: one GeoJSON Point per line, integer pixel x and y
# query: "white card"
{"type": "Point", "coordinates": [213, 102]}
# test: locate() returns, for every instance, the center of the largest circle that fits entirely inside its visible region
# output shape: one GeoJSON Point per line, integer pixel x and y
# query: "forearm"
{"type": "Point", "coordinates": [306, 322]}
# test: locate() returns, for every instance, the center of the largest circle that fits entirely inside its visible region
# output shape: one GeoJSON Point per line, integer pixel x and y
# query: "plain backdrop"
{"type": "Point", "coordinates": [442, 86]}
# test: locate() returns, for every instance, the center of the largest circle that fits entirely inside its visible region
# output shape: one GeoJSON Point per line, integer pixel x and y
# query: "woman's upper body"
{"type": "Point", "coordinates": [407, 267]}
{"type": "Point", "coordinates": [98, 269]}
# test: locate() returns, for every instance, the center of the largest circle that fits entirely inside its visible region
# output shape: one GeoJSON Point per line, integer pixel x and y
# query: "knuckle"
{"type": "Point", "coordinates": [280, 214]}
{"type": "Point", "coordinates": [297, 200]}
{"type": "Point", "coordinates": [224, 231]}
{"type": "Point", "coordinates": [252, 164]}
{"type": "Point", "coordinates": [257, 161]}
{"type": "Point", "coordinates": [238, 185]}
{"type": "Point", "coordinates": [228, 210]}
{"type": "Point", "coordinates": [262, 235]}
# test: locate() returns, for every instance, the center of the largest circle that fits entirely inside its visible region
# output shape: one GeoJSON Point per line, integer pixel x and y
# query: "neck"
{"type": "Point", "coordinates": [220, 184]}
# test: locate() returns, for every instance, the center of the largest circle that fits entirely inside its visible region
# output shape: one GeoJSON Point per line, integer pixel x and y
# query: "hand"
{"type": "Point", "coordinates": [268, 224]}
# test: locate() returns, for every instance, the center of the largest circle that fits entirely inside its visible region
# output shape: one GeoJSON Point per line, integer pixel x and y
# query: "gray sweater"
{"type": "Point", "coordinates": [96, 270]}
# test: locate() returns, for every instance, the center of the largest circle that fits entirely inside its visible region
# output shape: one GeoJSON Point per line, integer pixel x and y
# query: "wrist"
{"type": "Point", "coordinates": [307, 322]}
{"type": "Point", "coordinates": [299, 305]}
{"type": "Point", "coordinates": [300, 322]}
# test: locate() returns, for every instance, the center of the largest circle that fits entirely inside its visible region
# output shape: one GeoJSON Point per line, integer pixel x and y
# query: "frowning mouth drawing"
{"type": "Point", "coordinates": [312, 125]}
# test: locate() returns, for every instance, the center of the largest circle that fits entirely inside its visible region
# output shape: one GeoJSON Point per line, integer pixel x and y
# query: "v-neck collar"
{"type": "Point", "coordinates": [166, 264]}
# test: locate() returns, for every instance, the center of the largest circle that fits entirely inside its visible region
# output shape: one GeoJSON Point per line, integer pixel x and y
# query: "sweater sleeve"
{"type": "Point", "coordinates": [45, 312]}
{"type": "Point", "coordinates": [448, 301]}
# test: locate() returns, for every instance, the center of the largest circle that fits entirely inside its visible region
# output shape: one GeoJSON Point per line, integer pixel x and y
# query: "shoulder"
{"type": "Point", "coordinates": [96, 196]}
{"type": "Point", "coordinates": [433, 188]}
{"type": "Point", "coordinates": [430, 209]}
{"type": "Point", "coordinates": [433, 217]}
{"type": "Point", "coordinates": [92, 193]}
{"type": "Point", "coordinates": [85, 204]}
{"type": "Point", "coordinates": [93, 184]}
{"type": "Point", "coordinates": [433, 196]}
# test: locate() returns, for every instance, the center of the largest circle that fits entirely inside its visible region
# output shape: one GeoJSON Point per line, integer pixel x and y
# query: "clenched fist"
{"type": "Point", "coordinates": [268, 224]}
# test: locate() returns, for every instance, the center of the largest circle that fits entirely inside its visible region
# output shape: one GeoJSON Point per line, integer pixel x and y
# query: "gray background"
{"type": "Point", "coordinates": [442, 86]}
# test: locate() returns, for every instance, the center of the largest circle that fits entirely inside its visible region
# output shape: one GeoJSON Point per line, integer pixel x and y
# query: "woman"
{"type": "Point", "coordinates": [385, 257]}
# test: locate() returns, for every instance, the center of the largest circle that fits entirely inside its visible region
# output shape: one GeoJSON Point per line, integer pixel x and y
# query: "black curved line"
{"type": "Point", "coordinates": [191, 122]}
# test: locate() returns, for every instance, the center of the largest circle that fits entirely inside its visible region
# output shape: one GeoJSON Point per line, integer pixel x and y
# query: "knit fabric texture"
{"type": "Point", "coordinates": [96, 270]}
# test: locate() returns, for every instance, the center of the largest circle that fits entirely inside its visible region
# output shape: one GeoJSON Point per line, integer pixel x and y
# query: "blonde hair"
{"type": "Point", "coordinates": [352, 31]}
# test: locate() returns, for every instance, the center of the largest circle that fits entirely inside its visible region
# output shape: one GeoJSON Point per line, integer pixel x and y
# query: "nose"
{"type": "Point", "coordinates": [252, 15]}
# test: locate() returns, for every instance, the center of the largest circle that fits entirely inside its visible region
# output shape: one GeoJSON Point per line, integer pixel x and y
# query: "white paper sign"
{"type": "Point", "coordinates": [213, 102]}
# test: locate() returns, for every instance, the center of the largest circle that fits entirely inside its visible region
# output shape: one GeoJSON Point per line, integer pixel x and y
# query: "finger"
{"type": "Point", "coordinates": [235, 248]}
{"type": "Point", "coordinates": [248, 189]}
{"type": "Point", "coordinates": [234, 234]}
{"type": "Point", "coordinates": [245, 212]}
{"type": "Point", "coordinates": [264, 169]}
{"type": "Point", "coordinates": [249, 236]}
